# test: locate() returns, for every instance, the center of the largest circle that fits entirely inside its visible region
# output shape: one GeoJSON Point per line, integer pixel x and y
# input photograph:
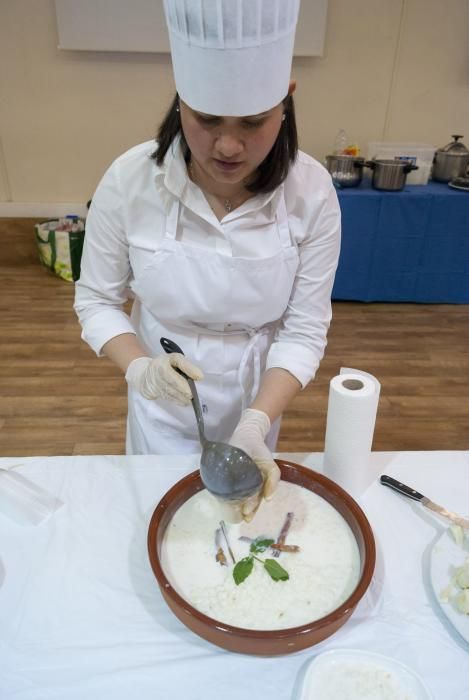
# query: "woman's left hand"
{"type": "Point", "coordinates": [249, 436]}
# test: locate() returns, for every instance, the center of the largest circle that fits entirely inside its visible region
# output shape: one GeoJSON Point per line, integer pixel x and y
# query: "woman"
{"type": "Point", "coordinates": [226, 237]}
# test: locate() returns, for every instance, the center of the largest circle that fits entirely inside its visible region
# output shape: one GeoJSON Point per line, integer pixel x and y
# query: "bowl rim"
{"type": "Point", "coordinates": [342, 612]}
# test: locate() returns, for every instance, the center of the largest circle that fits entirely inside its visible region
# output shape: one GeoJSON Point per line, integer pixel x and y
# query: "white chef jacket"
{"type": "Point", "coordinates": [128, 213]}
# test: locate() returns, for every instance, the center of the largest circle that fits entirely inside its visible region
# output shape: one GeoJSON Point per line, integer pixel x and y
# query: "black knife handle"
{"type": "Point", "coordinates": [400, 487]}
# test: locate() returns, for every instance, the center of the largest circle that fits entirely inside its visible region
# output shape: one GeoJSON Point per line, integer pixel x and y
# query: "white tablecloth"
{"type": "Point", "coordinates": [82, 618]}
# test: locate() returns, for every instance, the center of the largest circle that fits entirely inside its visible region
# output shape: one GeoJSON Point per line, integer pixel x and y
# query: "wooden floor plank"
{"type": "Point", "coordinates": [58, 398]}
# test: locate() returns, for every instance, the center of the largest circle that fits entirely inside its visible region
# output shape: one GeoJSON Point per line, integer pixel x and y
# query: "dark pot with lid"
{"type": "Point", "coordinates": [389, 174]}
{"type": "Point", "coordinates": [345, 170]}
{"type": "Point", "coordinates": [451, 161]}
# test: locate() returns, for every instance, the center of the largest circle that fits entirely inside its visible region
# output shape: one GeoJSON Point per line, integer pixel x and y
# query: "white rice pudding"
{"type": "Point", "coordinates": [321, 575]}
{"type": "Point", "coordinates": [357, 681]}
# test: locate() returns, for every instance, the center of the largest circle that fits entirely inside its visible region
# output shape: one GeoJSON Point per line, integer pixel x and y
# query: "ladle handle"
{"type": "Point", "coordinates": [169, 346]}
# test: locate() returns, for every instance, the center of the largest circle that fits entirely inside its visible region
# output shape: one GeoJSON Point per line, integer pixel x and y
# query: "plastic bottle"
{"type": "Point", "coordinates": [340, 143]}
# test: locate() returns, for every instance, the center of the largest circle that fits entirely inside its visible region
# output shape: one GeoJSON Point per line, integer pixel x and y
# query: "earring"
{"type": "Point", "coordinates": [177, 109]}
{"type": "Point", "coordinates": [284, 116]}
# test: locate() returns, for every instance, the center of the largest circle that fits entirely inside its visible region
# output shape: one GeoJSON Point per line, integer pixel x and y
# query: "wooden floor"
{"type": "Point", "coordinates": [57, 398]}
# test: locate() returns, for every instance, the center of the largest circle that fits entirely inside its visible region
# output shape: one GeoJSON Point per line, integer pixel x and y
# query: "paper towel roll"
{"type": "Point", "coordinates": [351, 416]}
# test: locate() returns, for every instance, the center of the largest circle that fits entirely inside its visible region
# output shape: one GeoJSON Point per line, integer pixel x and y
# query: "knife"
{"type": "Point", "coordinates": [416, 496]}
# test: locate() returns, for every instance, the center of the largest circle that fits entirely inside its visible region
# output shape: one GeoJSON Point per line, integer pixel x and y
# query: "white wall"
{"type": "Point", "coordinates": [392, 70]}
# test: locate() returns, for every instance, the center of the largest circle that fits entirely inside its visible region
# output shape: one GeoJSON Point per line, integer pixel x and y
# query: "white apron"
{"type": "Point", "coordinates": [222, 311]}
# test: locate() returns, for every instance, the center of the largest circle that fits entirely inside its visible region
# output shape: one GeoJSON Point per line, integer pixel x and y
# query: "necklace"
{"type": "Point", "coordinates": [227, 203]}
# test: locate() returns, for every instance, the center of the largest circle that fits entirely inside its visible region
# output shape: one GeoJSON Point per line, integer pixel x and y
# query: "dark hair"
{"type": "Point", "coordinates": [271, 172]}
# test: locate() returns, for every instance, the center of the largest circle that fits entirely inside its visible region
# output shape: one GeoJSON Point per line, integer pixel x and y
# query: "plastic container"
{"type": "Point", "coordinates": [23, 501]}
{"type": "Point", "coordinates": [420, 154]}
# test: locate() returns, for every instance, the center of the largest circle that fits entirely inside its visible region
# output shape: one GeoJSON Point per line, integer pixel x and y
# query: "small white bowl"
{"type": "Point", "coordinates": [356, 675]}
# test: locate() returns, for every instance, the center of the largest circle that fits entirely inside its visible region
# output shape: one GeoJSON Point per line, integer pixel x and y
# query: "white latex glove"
{"type": "Point", "coordinates": [156, 378]}
{"type": "Point", "coordinates": [249, 436]}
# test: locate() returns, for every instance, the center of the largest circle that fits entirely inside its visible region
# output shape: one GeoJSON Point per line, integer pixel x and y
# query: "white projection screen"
{"type": "Point", "coordinates": [139, 26]}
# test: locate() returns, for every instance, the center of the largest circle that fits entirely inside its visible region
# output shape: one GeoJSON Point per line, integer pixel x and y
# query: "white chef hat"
{"type": "Point", "coordinates": [232, 57]}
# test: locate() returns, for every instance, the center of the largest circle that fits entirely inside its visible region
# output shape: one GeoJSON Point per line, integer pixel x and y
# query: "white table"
{"type": "Point", "coordinates": [82, 618]}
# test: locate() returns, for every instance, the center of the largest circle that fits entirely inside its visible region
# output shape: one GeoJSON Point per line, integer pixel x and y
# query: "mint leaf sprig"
{"type": "Point", "coordinates": [245, 566]}
{"type": "Point", "coordinates": [243, 569]}
{"type": "Point", "coordinates": [260, 545]}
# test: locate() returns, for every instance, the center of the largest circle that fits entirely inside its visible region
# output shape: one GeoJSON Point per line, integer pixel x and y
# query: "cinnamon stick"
{"type": "Point", "coordinates": [284, 532]}
{"type": "Point", "coordinates": [225, 535]}
{"type": "Point", "coordinates": [220, 554]}
{"type": "Point", "coordinates": [284, 548]}
{"type": "Point", "coordinates": [275, 546]}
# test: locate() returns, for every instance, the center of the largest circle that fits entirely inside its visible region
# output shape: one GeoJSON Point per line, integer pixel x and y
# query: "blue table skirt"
{"type": "Point", "coordinates": [411, 245]}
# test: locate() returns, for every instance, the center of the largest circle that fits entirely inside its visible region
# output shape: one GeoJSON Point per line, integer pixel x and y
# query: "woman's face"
{"type": "Point", "coordinates": [230, 149]}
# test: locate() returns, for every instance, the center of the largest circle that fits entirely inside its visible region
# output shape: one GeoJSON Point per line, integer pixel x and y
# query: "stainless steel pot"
{"type": "Point", "coordinates": [346, 171]}
{"type": "Point", "coordinates": [451, 161]}
{"type": "Point", "coordinates": [389, 174]}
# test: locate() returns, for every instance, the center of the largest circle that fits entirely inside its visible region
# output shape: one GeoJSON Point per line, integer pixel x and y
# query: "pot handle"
{"type": "Point", "coordinates": [370, 164]}
{"type": "Point", "coordinates": [410, 167]}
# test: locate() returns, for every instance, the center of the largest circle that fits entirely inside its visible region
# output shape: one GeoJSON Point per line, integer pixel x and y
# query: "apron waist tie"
{"type": "Point", "coordinates": [251, 349]}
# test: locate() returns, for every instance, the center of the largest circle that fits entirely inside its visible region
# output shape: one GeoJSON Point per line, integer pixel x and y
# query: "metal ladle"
{"type": "Point", "coordinates": [226, 471]}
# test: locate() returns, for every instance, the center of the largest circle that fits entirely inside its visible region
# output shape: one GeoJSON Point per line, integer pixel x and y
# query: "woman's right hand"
{"type": "Point", "coordinates": [157, 378]}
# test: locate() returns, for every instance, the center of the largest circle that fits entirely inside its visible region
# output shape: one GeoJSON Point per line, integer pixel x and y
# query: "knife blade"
{"type": "Point", "coordinates": [416, 496]}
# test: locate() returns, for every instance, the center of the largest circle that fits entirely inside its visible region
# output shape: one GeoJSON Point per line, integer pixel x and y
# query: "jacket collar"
{"type": "Point", "coordinates": [172, 178]}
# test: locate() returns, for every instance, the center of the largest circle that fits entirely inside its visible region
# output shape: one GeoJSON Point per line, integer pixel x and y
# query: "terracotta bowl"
{"type": "Point", "coordinates": [269, 642]}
